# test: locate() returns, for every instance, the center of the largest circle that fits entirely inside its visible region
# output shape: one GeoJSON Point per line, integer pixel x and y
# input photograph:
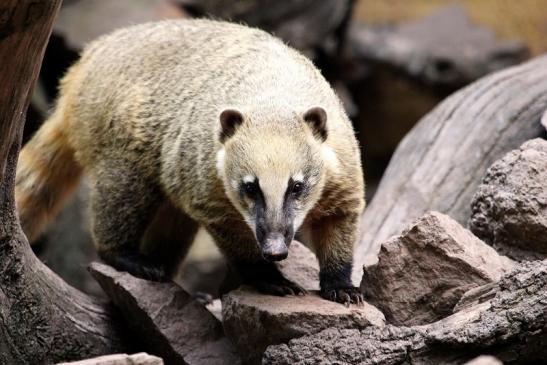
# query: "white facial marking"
{"type": "Point", "coordinates": [298, 220]}
{"type": "Point", "coordinates": [299, 176]}
{"type": "Point", "coordinates": [248, 178]}
{"type": "Point", "coordinates": [220, 161]}
{"type": "Point", "coordinates": [235, 184]}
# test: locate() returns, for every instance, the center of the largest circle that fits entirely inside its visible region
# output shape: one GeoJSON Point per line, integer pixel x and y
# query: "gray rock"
{"type": "Point", "coordinates": [511, 326]}
{"type": "Point", "coordinates": [421, 274]}
{"type": "Point", "coordinates": [166, 318]}
{"type": "Point", "coordinates": [254, 321]}
{"type": "Point", "coordinates": [119, 359]}
{"type": "Point", "coordinates": [445, 48]}
{"type": "Point", "coordinates": [509, 209]}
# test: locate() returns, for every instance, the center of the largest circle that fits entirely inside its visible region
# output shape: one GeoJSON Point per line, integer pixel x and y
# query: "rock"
{"type": "Point", "coordinates": [305, 24]}
{"type": "Point", "coordinates": [445, 48]}
{"type": "Point", "coordinates": [484, 360]}
{"type": "Point", "coordinates": [119, 359]}
{"type": "Point", "coordinates": [509, 209]}
{"type": "Point", "coordinates": [254, 321]}
{"type": "Point", "coordinates": [511, 326]}
{"type": "Point", "coordinates": [421, 274]}
{"type": "Point", "coordinates": [301, 266]}
{"type": "Point", "coordinates": [166, 318]}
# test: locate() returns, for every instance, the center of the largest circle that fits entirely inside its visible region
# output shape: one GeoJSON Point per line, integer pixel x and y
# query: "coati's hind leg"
{"type": "Point", "coordinates": [247, 263]}
{"type": "Point", "coordinates": [169, 237]}
{"type": "Point", "coordinates": [123, 202]}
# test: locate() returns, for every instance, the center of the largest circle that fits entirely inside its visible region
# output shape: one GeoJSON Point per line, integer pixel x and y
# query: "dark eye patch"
{"type": "Point", "coordinates": [295, 189]}
{"type": "Point", "coordinates": [250, 189]}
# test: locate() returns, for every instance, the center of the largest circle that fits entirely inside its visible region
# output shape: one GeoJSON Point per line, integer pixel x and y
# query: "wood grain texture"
{"type": "Point", "coordinates": [441, 161]}
{"type": "Point", "coordinates": [42, 319]}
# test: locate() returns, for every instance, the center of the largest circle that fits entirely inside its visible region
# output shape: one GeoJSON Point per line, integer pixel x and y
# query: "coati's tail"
{"type": "Point", "coordinates": [46, 174]}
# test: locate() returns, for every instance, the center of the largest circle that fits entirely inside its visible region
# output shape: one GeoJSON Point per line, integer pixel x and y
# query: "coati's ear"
{"type": "Point", "coordinates": [316, 118]}
{"type": "Point", "coordinates": [230, 119]}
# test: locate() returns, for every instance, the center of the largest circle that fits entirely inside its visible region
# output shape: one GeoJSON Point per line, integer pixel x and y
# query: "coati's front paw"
{"type": "Point", "coordinates": [346, 295]}
{"type": "Point", "coordinates": [267, 279]}
{"type": "Point", "coordinates": [138, 266]}
{"type": "Point", "coordinates": [279, 287]}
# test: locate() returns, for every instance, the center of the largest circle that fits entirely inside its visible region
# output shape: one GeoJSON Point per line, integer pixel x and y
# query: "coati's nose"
{"type": "Point", "coordinates": [274, 248]}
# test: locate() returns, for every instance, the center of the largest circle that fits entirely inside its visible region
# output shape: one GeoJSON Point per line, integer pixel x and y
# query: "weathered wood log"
{"type": "Point", "coordinates": [442, 160]}
{"type": "Point", "coordinates": [511, 325]}
{"type": "Point", "coordinates": [42, 319]}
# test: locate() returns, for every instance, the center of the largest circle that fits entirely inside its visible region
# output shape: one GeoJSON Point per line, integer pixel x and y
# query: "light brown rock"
{"type": "Point", "coordinates": [421, 274]}
{"type": "Point", "coordinates": [301, 266]}
{"type": "Point", "coordinates": [167, 320]}
{"type": "Point", "coordinates": [119, 359]}
{"type": "Point", "coordinates": [509, 209]}
{"type": "Point", "coordinates": [253, 321]}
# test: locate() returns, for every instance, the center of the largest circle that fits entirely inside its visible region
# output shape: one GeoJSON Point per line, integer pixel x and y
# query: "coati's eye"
{"type": "Point", "coordinates": [251, 189]}
{"type": "Point", "coordinates": [297, 189]}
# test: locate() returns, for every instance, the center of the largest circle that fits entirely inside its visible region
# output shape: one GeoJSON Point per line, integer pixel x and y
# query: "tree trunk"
{"type": "Point", "coordinates": [441, 161]}
{"type": "Point", "coordinates": [42, 319]}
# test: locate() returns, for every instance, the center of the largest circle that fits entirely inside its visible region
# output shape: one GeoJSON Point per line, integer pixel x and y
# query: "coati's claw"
{"type": "Point", "coordinates": [348, 295]}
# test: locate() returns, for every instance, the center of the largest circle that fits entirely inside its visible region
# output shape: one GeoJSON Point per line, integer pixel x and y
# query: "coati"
{"type": "Point", "coordinates": [188, 123]}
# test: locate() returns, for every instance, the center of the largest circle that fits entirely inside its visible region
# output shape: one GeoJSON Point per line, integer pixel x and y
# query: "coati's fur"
{"type": "Point", "coordinates": [198, 122]}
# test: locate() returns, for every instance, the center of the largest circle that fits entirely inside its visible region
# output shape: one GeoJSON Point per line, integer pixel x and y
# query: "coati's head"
{"type": "Point", "coordinates": [273, 167]}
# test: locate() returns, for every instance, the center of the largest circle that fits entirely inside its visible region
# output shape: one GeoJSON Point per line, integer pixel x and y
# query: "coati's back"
{"type": "Point", "coordinates": [144, 84]}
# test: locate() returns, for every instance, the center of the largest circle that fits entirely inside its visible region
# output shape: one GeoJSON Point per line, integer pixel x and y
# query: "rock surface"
{"type": "Point", "coordinates": [421, 274]}
{"type": "Point", "coordinates": [119, 359]}
{"type": "Point", "coordinates": [254, 321]}
{"type": "Point", "coordinates": [301, 266]}
{"type": "Point", "coordinates": [511, 326]}
{"type": "Point", "coordinates": [166, 318]}
{"type": "Point", "coordinates": [509, 209]}
{"type": "Point", "coordinates": [445, 48]}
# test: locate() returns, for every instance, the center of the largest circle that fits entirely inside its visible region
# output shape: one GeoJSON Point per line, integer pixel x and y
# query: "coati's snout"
{"type": "Point", "coordinates": [274, 247]}
{"type": "Point", "coordinates": [274, 233]}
